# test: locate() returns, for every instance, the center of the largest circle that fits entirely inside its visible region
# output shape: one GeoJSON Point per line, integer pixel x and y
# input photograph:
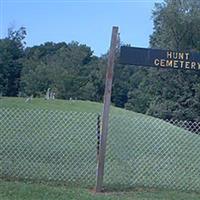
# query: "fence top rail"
{"type": "Point", "coordinates": [131, 117]}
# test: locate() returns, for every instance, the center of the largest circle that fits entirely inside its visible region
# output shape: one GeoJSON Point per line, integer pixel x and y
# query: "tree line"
{"type": "Point", "coordinates": [71, 70]}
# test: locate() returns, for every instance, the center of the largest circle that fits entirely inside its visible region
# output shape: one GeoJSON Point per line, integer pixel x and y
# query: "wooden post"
{"type": "Point", "coordinates": [106, 108]}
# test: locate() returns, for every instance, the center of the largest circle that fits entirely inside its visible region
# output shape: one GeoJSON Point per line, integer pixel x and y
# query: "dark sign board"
{"type": "Point", "coordinates": [159, 58]}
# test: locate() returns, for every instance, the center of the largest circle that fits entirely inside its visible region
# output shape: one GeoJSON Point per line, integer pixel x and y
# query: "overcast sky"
{"type": "Point", "coordinates": [86, 21]}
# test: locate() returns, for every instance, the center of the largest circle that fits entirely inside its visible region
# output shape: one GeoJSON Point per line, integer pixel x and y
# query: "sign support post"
{"type": "Point", "coordinates": [106, 108]}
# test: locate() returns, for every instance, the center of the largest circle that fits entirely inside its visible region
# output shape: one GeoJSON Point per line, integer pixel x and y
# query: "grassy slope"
{"type": "Point", "coordinates": [23, 191]}
{"type": "Point", "coordinates": [142, 150]}
{"type": "Point", "coordinates": [59, 105]}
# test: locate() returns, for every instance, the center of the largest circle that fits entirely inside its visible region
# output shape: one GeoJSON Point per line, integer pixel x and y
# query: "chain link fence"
{"type": "Point", "coordinates": [147, 152]}
{"type": "Point", "coordinates": [48, 145]}
{"type": "Point", "coordinates": [142, 151]}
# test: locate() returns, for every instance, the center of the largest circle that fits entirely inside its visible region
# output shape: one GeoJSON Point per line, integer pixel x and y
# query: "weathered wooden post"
{"type": "Point", "coordinates": [106, 108]}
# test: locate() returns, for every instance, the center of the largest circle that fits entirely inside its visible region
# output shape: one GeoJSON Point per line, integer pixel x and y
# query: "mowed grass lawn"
{"type": "Point", "coordinates": [57, 105]}
{"type": "Point", "coordinates": [56, 141]}
{"type": "Point", "coordinates": [28, 191]}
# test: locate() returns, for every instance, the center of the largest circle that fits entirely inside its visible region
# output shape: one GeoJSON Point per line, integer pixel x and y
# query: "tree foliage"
{"type": "Point", "coordinates": [168, 93]}
{"type": "Point", "coordinates": [69, 69]}
{"type": "Point", "coordinates": [11, 53]}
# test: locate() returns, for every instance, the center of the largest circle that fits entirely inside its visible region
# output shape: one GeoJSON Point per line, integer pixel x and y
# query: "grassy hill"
{"type": "Point", "coordinates": [58, 105]}
{"type": "Point", "coordinates": [56, 141]}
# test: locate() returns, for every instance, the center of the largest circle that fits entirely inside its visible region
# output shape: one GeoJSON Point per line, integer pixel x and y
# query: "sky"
{"type": "Point", "coordinates": [86, 21]}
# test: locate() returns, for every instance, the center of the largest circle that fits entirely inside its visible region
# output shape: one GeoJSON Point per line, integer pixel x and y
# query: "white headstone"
{"type": "Point", "coordinates": [29, 98]}
{"type": "Point", "coordinates": [47, 97]}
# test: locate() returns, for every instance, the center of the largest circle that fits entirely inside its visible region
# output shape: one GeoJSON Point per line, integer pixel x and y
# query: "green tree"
{"type": "Point", "coordinates": [168, 93]}
{"type": "Point", "coordinates": [70, 69]}
{"type": "Point", "coordinates": [11, 54]}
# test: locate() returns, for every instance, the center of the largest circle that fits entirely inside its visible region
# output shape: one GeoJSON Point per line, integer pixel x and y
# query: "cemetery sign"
{"type": "Point", "coordinates": [140, 57]}
{"type": "Point", "coordinates": [159, 58]}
